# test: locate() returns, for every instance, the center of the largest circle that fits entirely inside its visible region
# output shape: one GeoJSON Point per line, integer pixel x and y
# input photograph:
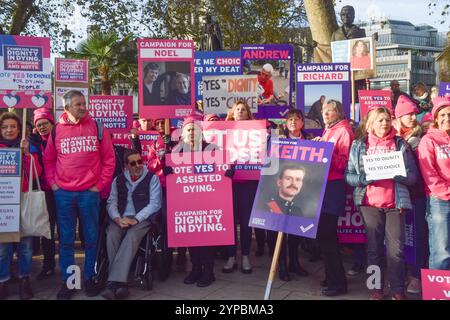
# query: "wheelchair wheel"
{"type": "Point", "coordinates": [147, 280]}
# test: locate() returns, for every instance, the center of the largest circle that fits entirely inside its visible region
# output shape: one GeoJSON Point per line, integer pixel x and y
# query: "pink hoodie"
{"type": "Point", "coordinates": [78, 162]}
{"type": "Point", "coordinates": [154, 163]}
{"type": "Point", "coordinates": [342, 136]}
{"type": "Point", "coordinates": [381, 193]}
{"type": "Point", "coordinates": [434, 160]}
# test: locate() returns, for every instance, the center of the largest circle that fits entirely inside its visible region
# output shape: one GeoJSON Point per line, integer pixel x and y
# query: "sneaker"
{"type": "Point", "coordinates": [414, 286]}
{"type": "Point", "coordinates": [91, 288]}
{"type": "Point", "coordinates": [45, 273]}
{"type": "Point", "coordinates": [65, 293]}
{"type": "Point", "coordinates": [356, 269]}
{"type": "Point", "coordinates": [246, 266]}
{"type": "Point", "coordinates": [25, 292]}
{"type": "Point", "coordinates": [377, 295]}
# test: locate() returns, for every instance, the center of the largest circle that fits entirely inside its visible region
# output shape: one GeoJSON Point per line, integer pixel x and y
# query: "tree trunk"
{"type": "Point", "coordinates": [322, 22]}
{"type": "Point", "coordinates": [22, 14]}
{"type": "Point", "coordinates": [103, 73]}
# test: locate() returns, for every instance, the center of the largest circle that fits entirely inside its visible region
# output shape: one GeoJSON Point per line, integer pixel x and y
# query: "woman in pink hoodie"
{"type": "Point", "coordinates": [434, 159]}
{"type": "Point", "coordinates": [339, 132]}
{"type": "Point", "coordinates": [383, 202]}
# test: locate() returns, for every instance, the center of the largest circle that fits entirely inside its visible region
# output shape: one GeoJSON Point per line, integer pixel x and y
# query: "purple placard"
{"type": "Point", "coordinates": [281, 56]}
{"type": "Point", "coordinates": [314, 80]}
{"type": "Point", "coordinates": [444, 88]}
{"type": "Point", "coordinates": [293, 203]}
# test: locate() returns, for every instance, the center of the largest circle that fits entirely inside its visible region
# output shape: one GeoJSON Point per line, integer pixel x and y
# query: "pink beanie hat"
{"type": "Point", "coordinates": [405, 106]}
{"type": "Point", "coordinates": [43, 113]}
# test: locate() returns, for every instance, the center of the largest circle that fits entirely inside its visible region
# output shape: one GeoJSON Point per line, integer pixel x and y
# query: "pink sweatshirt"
{"type": "Point", "coordinates": [434, 160]}
{"type": "Point", "coordinates": [342, 136]}
{"type": "Point", "coordinates": [76, 161]}
{"type": "Point", "coordinates": [381, 193]}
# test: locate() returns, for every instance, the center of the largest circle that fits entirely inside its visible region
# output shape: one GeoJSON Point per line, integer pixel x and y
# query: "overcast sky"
{"type": "Point", "coordinates": [414, 11]}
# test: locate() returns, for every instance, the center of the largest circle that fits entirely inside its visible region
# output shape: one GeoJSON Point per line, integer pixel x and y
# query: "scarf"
{"type": "Point", "coordinates": [11, 143]}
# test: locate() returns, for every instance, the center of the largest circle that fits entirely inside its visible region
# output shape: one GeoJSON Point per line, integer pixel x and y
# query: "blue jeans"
{"type": "Point", "coordinates": [68, 205]}
{"type": "Point", "coordinates": [25, 256]}
{"type": "Point", "coordinates": [438, 218]}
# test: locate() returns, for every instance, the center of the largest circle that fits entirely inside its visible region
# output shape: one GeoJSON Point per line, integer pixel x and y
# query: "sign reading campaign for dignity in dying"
{"type": "Point", "coordinates": [435, 284]}
{"type": "Point", "coordinates": [292, 186]}
{"type": "Point", "coordinates": [214, 63]}
{"type": "Point", "coordinates": [221, 92]}
{"type": "Point", "coordinates": [10, 169]}
{"type": "Point", "coordinates": [372, 99]}
{"type": "Point", "coordinates": [25, 72]}
{"type": "Point", "coordinates": [71, 70]}
{"type": "Point", "coordinates": [166, 78]}
{"type": "Point", "coordinates": [115, 112]}
{"type": "Point", "coordinates": [444, 88]}
{"type": "Point", "coordinates": [351, 227]}
{"type": "Point", "coordinates": [199, 202]}
{"type": "Point", "coordinates": [317, 83]}
{"type": "Point", "coordinates": [245, 143]}
{"type": "Point", "coordinates": [273, 64]}
{"type": "Point", "coordinates": [384, 165]}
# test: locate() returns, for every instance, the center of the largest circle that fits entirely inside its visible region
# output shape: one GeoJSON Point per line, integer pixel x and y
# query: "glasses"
{"type": "Point", "coordinates": [134, 163]}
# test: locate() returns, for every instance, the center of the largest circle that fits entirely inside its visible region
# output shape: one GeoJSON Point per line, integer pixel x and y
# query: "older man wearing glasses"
{"type": "Point", "coordinates": [266, 83]}
{"type": "Point", "coordinates": [135, 197]}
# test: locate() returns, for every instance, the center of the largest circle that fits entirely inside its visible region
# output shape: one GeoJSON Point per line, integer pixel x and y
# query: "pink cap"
{"type": "Point", "coordinates": [189, 120]}
{"type": "Point", "coordinates": [43, 113]}
{"type": "Point", "coordinates": [439, 103]}
{"type": "Point", "coordinates": [405, 106]}
{"type": "Point", "coordinates": [211, 117]}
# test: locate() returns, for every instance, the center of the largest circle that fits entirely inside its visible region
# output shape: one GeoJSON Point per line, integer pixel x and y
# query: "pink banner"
{"type": "Point", "coordinates": [70, 70]}
{"type": "Point", "coordinates": [245, 142]}
{"type": "Point", "coordinates": [115, 112]}
{"type": "Point", "coordinates": [199, 202]}
{"type": "Point", "coordinates": [371, 99]}
{"type": "Point", "coordinates": [25, 99]}
{"type": "Point", "coordinates": [435, 284]}
{"type": "Point", "coordinates": [146, 138]}
{"type": "Point", "coordinates": [166, 78]}
{"type": "Point", "coordinates": [351, 226]}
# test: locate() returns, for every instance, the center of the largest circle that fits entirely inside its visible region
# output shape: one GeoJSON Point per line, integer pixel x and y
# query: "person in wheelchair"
{"type": "Point", "coordinates": [135, 197]}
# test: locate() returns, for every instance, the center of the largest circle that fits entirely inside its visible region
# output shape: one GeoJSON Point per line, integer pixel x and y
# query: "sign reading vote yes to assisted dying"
{"type": "Point", "coordinates": [384, 166]}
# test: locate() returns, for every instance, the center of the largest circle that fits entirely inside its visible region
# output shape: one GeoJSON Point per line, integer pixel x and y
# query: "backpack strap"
{"type": "Point", "coordinates": [54, 133]}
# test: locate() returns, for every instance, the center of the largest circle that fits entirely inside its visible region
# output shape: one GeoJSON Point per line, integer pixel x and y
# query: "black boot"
{"type": "Point", "coordinates": [25, 292]}
{"type": "Point", "coordinates": [194, 275]}
{"type": "Point", "coordinates": [207, 276]}
{"type": "Point", "coordinates": [283, 271]}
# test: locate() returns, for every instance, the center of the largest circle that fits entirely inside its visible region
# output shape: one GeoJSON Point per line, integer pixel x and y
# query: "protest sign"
{"type": "Point", "coordinates": [384, 165]}
{"type": "Point", "coordinates": [10, 189]}
{"type": "Point", "coordinates": [214, 63]}
{"type": "Point", "coordinates": [444, 88]}
{"type": "Point", "coordinates": [199, 203]}
{"type": "Point", "coordinates": [372, 99]}
{"type": "Point", "coordinates": [275, 92]}
{"type": "Point", "coordinates": [146, 138]}
{"type": "Point", "coordinates": [316, 83]}
{"type": "Point", "coordinates": [71, 70]}
{"type": "Point", "coordinates": [59, 92]}
{"type": "Point", "coordinates": [292, 186]}
{"type": "Point", "coordinates": [435, 284]}
{"type": "Point", "coordinates": [351, 227]}
{"type": "Point", "coordinates": [245, 142]}
{"type": "Point", "coordinates": [25, 72]}
{"type": "Point", "coordinates": [115, 112]}
{"type": "Point", "coordinates": [221, 92]}
{"type": "Point", "coordinates": [360, 53]}
{"type": "Point", "coordinates": [166, 78]}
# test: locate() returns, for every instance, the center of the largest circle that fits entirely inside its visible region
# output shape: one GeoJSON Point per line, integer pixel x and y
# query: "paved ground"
{"type": "Point", "coordinates": [234, 286]}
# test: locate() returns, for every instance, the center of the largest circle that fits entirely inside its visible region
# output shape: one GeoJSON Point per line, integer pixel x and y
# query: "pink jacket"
{"type": "Point", "coordinates": [76, 161]}
{"type": "Point", "coordinates": [381, 193]}
{"type": "Point", "coordinates": [434, 160]}
{"type": "Point", "coordinates": [154, 163]}
{"type": "Point", "coordinates": [342, 136]}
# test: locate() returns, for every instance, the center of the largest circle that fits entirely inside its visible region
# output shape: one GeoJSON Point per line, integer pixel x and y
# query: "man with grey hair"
{"type": "Point", "coordinates": [79, 163]}
{"type": "Point", "coordinates": [266, 83]}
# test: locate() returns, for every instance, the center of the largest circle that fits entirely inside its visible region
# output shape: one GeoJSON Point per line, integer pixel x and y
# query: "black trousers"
{"type": "Point", "coordinates": [48, 245]}
{"type": "Point", "coordinates": [329, 245]}
{"type": "Point", "coordinates": [202, 257]}
{"type": "Point", "coordinates": [289, 245]}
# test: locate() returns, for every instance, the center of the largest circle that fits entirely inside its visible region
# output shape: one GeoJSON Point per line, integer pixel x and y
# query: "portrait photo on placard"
{"type": "Point", "coordinates": [360, 54]}
{"type": "Point", "coordinates": [315, 96]}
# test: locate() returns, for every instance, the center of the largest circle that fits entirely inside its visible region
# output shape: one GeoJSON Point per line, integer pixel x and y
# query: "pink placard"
{"type": "Point", "coordinates": [351, 226]}
{"type": "Point", "coordinates": [25, 99]}
{"type": "Point", "coordinates": [71, 70]}
{"type": "Point", "coordinates": [245, 142]}
{"type": "Point", "coordinates": [435, 284]}
{"type": "Point", "coordinates": [371, 99]}
{"type": "Point", "coordinates": [115, 112]}
{"type": "Point", "coordinates": [199, 203]}
{"type": "Point", "coordinates": [146, 138]}
{"type": "Point", "coordinates": [166, 78]}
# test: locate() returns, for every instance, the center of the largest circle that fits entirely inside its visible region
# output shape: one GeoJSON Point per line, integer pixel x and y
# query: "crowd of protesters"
{"type": "Point", "coordinates": [77, 184]}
